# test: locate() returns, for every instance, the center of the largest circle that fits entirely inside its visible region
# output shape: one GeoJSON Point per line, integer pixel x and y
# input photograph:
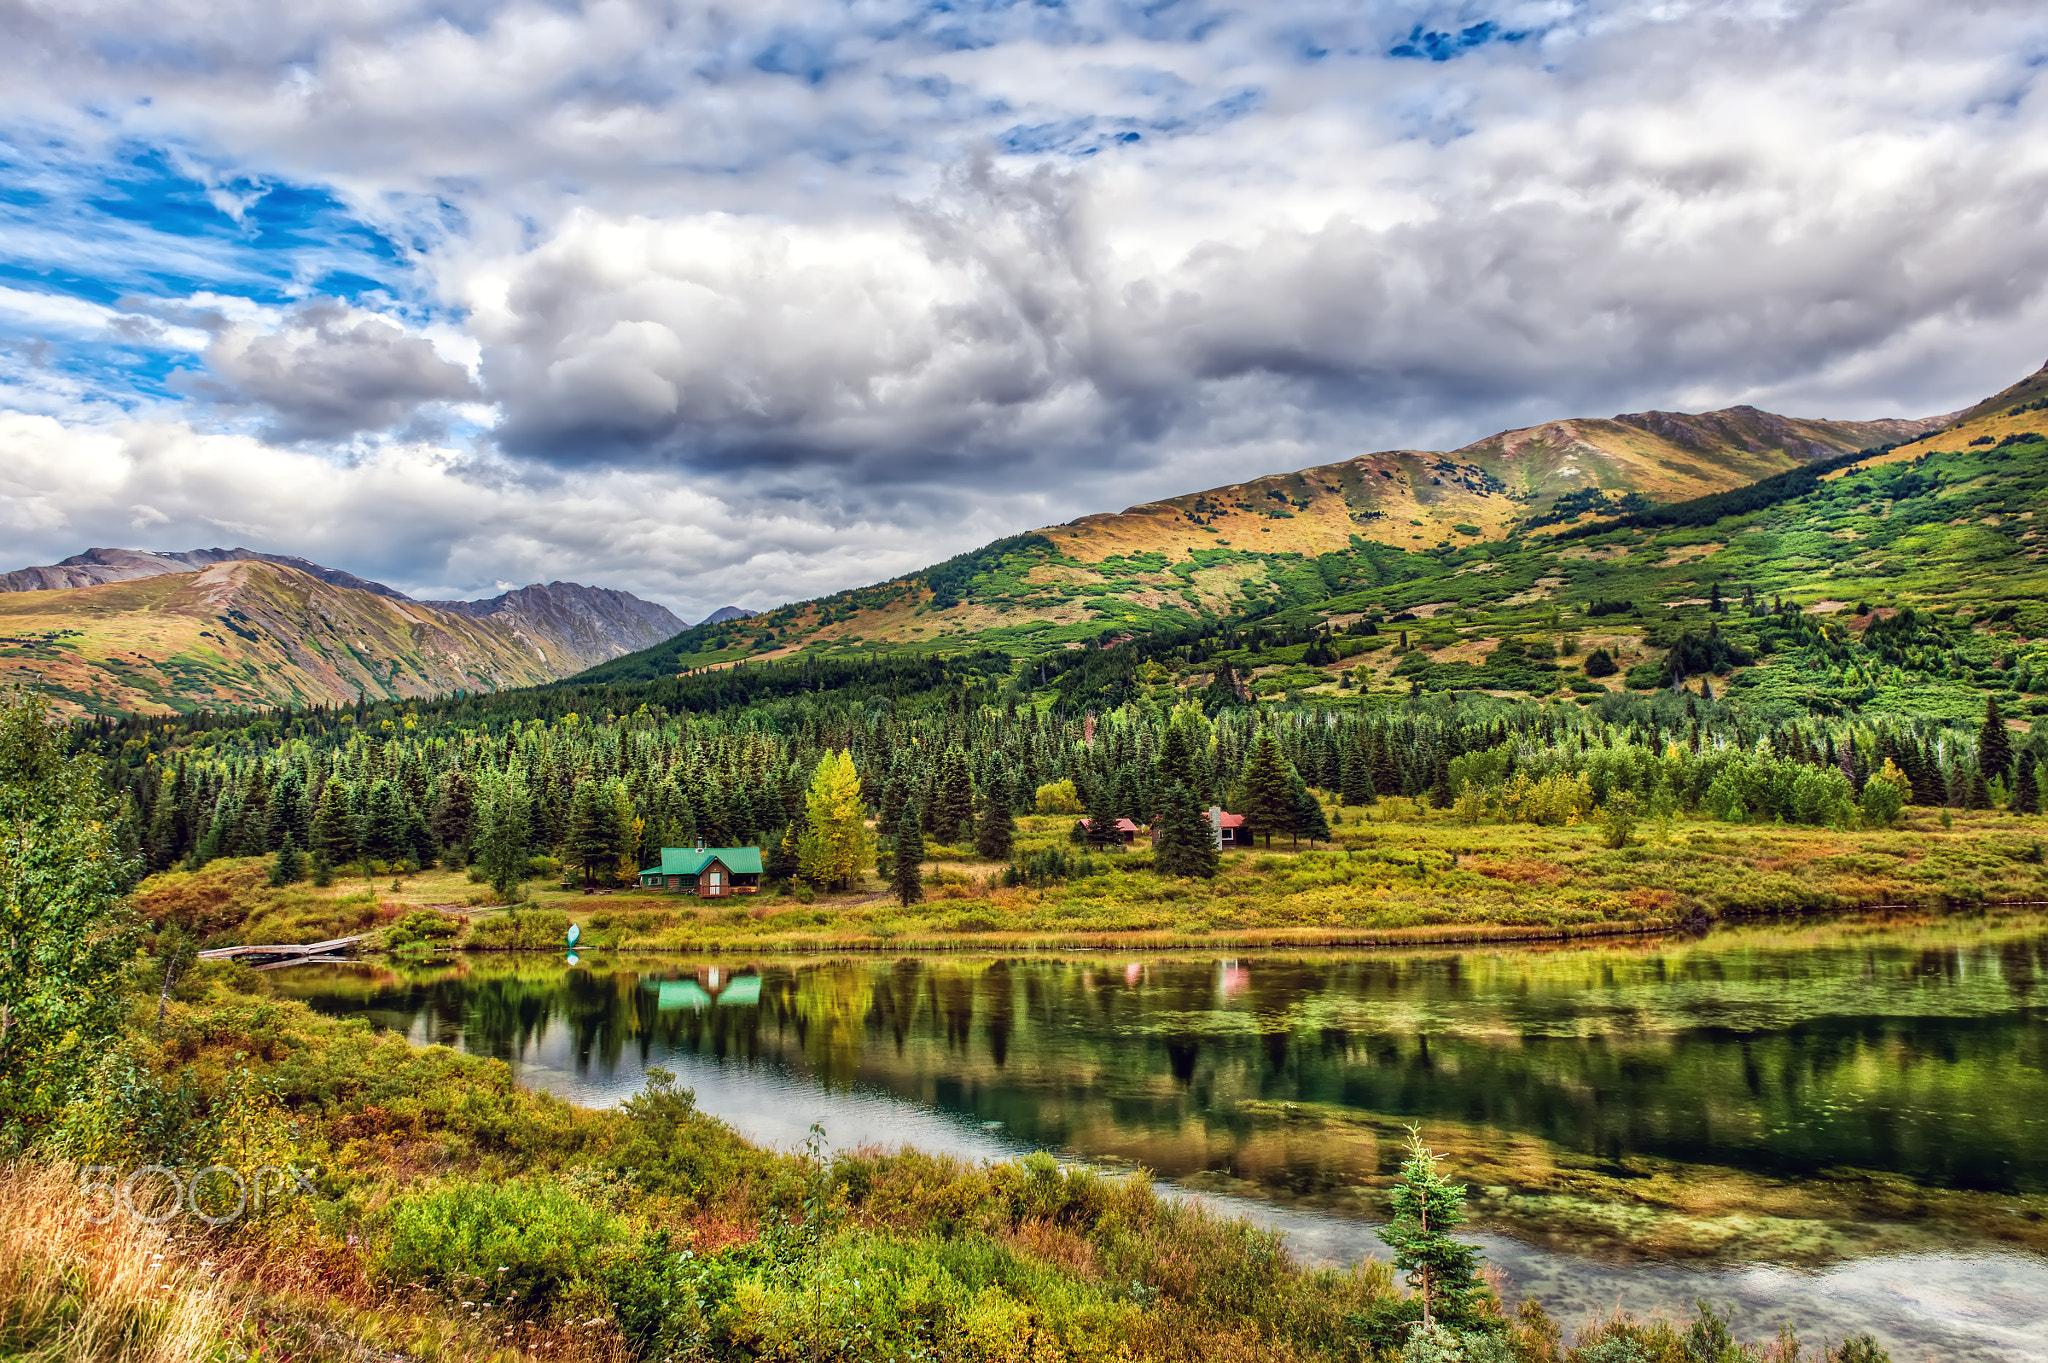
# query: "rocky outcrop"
{"type": "Point", "coordinates": [590, 624]}
{"type": "Point", "coordinates": [96, 566]}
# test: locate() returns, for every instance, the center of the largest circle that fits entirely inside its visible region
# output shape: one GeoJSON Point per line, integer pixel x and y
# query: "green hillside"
{"type": "Point", "coordinates": [1282, 539]}
{"type": "Point", "coordinates": [1892, 579]}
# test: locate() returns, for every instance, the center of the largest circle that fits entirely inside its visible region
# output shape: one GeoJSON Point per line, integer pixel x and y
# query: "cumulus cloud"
{"type": "Point", "coordinates": [329, 371]}
{"type": "Point", "coordinates": [862, 284]}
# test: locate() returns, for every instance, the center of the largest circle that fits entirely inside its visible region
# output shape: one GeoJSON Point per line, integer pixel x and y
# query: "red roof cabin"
{"type": "Point", "coordinates": [1126, 831]}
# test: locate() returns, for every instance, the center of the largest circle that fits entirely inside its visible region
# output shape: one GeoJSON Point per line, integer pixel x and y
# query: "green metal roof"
{"type": "Point", "coordinates": [689, 861]}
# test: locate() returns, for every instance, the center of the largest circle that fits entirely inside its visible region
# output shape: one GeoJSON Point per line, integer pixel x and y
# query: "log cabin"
{"type": "Point", "coordinates": [708, 872]}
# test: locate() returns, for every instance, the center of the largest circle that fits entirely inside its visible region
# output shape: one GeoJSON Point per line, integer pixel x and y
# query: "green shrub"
{"type": "Point", "coordinates": [521, 1245]}
{"type": "Point", "coordinates": [423, 925]}
{"type": "Point", "coordinates": [535, 930]}
{"type": "Point", "coordinates": [669, 1148]}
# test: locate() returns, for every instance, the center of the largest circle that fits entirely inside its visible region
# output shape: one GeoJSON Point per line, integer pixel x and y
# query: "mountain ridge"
{"type": "Point", "coordinates": [1178, 559]}
{"type": "Point", "coordinates": [257, 630]}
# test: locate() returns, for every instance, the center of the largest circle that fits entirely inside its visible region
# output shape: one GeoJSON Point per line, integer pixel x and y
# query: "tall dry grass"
{"type": "Point", "coordinates": [111, 1293]}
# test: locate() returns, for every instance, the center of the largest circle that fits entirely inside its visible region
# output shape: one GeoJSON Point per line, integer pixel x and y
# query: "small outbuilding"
{"type": "Point", "coordinates": [708, 872]}
{"type": "Point", "coordinates": [1227, 830]}
{"type": "Point", "coordinates": [1126, 831]}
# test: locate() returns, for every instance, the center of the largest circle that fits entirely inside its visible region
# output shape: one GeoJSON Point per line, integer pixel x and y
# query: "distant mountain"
{"type": "Point", "coordinates": [585, 622]}
{"type": "Point", "coordinates": [127, 629]}
{"type": "Point", "coordinates": [96, 566]}
{"type": "Point", "coordinates": [1215, 552]}
{"type": "Point", "coordinates": [725, 613]}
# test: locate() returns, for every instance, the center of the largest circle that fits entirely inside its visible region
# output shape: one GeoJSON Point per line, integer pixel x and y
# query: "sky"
{"type": "Point", "coordinates": [750, 303]}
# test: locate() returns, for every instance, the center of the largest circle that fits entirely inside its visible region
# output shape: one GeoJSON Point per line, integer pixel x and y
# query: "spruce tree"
{"type": "Point", "coordinates": [2026, 790]}
{"type": "Point", "coordinates": [1187, 842]}
{"type": "Point", "coordinates": [1994, 743]}
{"type": "Point", "coordinates": [287, 867]}
{"type": "Point", "coordinates": [1268, 789]}
{"type": "Point", "coordinates": [1309, 820]}
{"type": "Point", "coordinates": [1355, 781]}
{"type": "Point", "coordinates": [996, 833]}
{"type": "Point", "coordinates": [1976, 790]}
{"type": "Point", "coordinates": [952, 811]}
{"type": "Point", "coordinates": [1426, 1208]}
{"type": "Point", "coordinates": [591, 842]}
{"type": "Point", "coordinates": [906, 867]}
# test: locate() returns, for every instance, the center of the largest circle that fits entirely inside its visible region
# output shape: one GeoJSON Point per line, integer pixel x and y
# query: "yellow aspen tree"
{"type": "Point", "coordinates": [836, 847]}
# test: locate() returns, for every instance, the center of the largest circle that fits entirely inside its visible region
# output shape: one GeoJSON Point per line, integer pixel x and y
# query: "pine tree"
{"type": "Point", "coordinates": [590, 842]}
{"type": "Point", "coordinates": [1309, 820]}
{"type": "Point", "coordinates": [2026, 790]}
{"type": "Point", "coordinates": [1355, 780]}
{"type": "Point", "coordinates": [1268, 789]}
{"type": "Point", "coordinates": [502, 824]}
{"type": "Point", "coordinates": [383, 832]}
{"type": "Point", "coordinates": [996, 833]}
{"type": "Point", "coordinates": [1187, 841]}
{"type": "Point", "coordinates": [1426, 1208]}
{"type": "Point", "coordinates": [952, 811]}
{"type": "Point", "coordinates": [906, 867]}
{"type": "Point", "coordinates": [287, 867]}
{"type": "Point", "coordinates": [1994, 743]}
{"type": "Point", "coordinates": [1976, 790]}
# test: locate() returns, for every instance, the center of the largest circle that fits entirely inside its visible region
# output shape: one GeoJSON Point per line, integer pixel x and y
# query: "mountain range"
{"type": "Point", "coordinates": [150, 630]}
{"type": "Point", "coordinates": [1165, 563]}
{"type": "Point", "coordinates": [123, 630]}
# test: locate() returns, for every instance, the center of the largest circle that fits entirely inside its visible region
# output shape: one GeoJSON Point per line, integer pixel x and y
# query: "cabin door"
{"type": "Point", "coordinates": [714, 883]}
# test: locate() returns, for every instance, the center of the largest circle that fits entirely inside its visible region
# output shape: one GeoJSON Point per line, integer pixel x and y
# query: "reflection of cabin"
{"type": "Point", "coordinates": [1126, 831]}
{"type": "Point", "coordinates": [1227, 830]}
{"type": "Point", "coordinates": [705, 991]}
{"type": "Point", "coordinates": [710, 872]}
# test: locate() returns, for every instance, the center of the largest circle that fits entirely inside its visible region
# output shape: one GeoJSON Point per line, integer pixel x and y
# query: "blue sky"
{"type": "Point", "coordinates": [750, 304]}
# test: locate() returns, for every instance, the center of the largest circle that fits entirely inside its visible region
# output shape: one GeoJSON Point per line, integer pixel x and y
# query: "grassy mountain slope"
{"type": "Point", "coordinates": [252, 633]}
{"type": "Point", "coordinates": [1172, 563]}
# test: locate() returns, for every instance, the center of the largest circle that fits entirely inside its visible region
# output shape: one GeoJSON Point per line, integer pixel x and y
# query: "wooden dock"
{"type": "Point", "coordinates": [286, 953]}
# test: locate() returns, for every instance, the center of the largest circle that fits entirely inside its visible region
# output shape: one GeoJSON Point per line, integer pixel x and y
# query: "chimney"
{"type": "Point", "coordinates": [700, 842]}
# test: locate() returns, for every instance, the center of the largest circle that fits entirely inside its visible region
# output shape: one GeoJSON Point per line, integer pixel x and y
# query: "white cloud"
{"type": "Point", "coordinates": [760, 302]}
{"type": "Point", "coordinates": [326, 370]}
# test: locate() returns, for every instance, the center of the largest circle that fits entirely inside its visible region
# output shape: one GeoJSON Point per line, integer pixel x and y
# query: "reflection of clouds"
{"type": "Point", "coordinates": [1969, 1308]}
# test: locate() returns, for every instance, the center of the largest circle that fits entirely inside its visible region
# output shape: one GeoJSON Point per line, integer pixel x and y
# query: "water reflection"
{"type": "Point", "coordinates": [1885, 1053]}
{"type": "Point", "coordinates": [1912, 1051]}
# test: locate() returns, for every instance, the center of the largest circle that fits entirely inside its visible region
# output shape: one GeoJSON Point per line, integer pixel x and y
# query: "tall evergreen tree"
{"type": "Point", "coordinates": [906, 866]}
{"type": "Point", "coordinates": [952, 811]}
{"type": "Point", "coordinates": [2026, 788]}
{"type": "Point", "coordinates": [287, 866]}
{"type": "Point", "coordinates": [1354, 778]}
{"type": "Point", "coordinates": [1268, 789]}
{"type": "Point", "coordinates": [995, 834]}
{"type": "Point", "coordinates": [502, 830]}
{"type": "Point", "coordinates": [1187, 842]}
{"type": "Point", "coordinates": [1309, 820]}
{"type": "Point", "coordinates": [1994, 742]}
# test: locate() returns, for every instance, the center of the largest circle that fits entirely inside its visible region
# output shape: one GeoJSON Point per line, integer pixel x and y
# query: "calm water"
{"type": "Point", "coordinates": [1916, 1051]}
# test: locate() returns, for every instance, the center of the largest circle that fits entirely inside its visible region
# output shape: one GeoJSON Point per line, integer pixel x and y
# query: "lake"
{"type": "Point", "coordinates": [1845, 1123]}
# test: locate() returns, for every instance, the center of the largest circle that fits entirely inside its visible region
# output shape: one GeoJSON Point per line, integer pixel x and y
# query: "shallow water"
{"type": "Point", "coordinates": [1910, 1051]}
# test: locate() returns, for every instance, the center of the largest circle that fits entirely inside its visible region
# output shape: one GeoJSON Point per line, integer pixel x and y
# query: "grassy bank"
{"type": "Point", "coordinates": [1395, 873]}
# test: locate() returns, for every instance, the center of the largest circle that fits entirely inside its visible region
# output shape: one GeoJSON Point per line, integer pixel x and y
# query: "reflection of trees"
{"type": "Point", "coordinates": [1923, 1059]}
